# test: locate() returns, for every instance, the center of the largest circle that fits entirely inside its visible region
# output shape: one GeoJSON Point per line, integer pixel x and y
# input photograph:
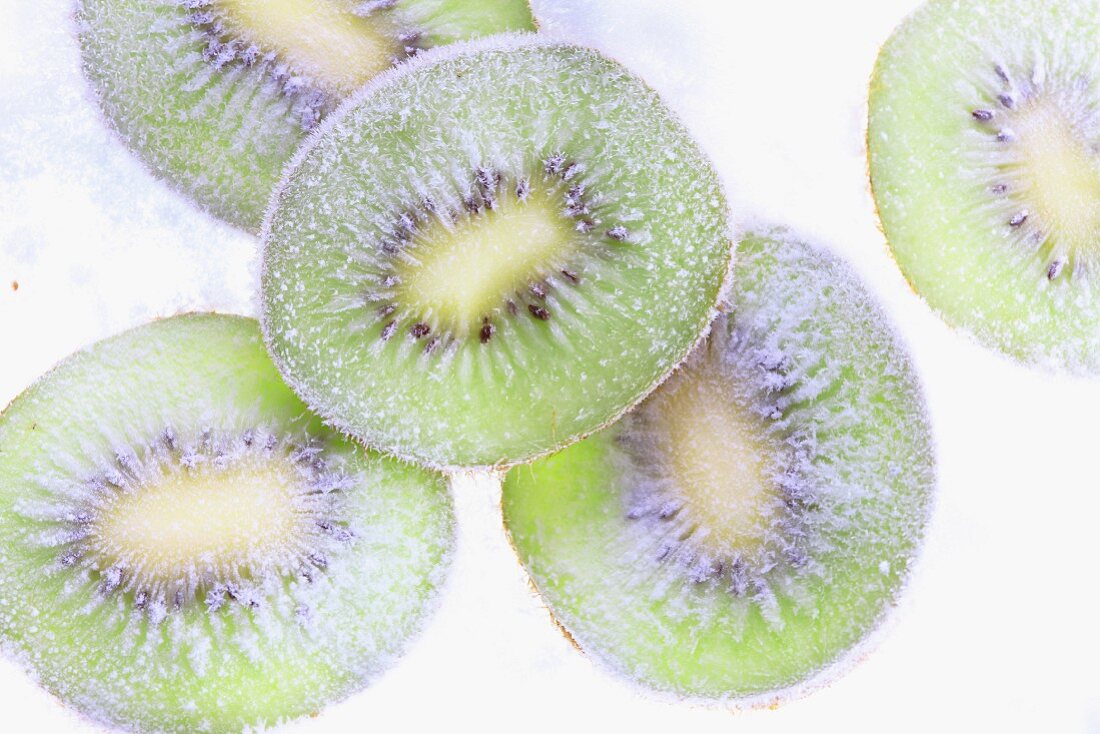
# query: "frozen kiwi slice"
{"type": "Point", "coordinates": [215, 95]}
{"type": "Point", "coordinates": [753, 520]}
{"type": "Point", "coordinates": [184, 547]}
{"type": "Point", "coordinates": [984, 143]}
{"type": "Point", "coordinates": [492, 252]}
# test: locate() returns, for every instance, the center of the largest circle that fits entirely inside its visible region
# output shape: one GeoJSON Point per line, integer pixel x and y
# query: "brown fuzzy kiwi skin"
{"type": "Point", "coordinates": [442, 53]}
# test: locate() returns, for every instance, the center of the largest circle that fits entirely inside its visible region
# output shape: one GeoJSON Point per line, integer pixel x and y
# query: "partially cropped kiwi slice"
{"type": "Point", "coordinates": [491, 252]}
{"type": "Point", "coordinates": [984, 144]}
{"type": "Point", "coordinates": [215, 95]}
{"type": "Point", "coordinates": [754, 519]}
{"type": "Point", "coordinates": [185, 548]}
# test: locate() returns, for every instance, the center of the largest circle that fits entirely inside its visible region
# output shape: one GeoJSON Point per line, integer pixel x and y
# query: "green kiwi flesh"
{"type": "Point", "coordinates": [184, 547]}
{"type": "Point", "coordinates": [492, 252]}
{"type": "Point", "coordinates": [751, 522]}
{"type": "Point", "coordinates": [983, 135]}
{"type": "Point", "coordinates": [215, 95]}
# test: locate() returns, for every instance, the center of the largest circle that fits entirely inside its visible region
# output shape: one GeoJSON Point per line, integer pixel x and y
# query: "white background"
{"type": "Point", "coordinates": [999, 628]}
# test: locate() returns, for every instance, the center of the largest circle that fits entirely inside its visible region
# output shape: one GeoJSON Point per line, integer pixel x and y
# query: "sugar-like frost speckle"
{"type": "Point", "coordinates": [775, 575]}
{"type": "Point", "coordinates": [452, 135]}
{"type": "Point", "coordinates": [122, 618]}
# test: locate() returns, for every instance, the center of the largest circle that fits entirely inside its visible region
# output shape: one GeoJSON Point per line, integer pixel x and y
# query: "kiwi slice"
{"type": "Point", "coordinates": [184, 547]}
{"type": "Point", "coordinates": [983, 139]}
{"type": "Point", "coordinates": [492, 252]}
{"type": "Point", "coordinates": [753, 520]}
{"type": "Point", "coordinates": [215, 95]}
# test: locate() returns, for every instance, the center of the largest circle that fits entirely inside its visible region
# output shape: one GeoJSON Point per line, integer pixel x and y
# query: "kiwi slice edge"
{"type": "Point", "coordinates": [621, 569]}
{"type": "Point", "coordinates": [240, 106]}
{"type": "Point", "coordinates": [140, 648]}
{"type": "Point", "coordinates": [309, 177]}
{"type": "Point", "coordinates": [979, 157]}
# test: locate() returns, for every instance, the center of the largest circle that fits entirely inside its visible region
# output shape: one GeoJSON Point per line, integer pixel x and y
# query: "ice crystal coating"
{"type": "Point", "coordinates": [186, 548]}
{"type": "Point", "coordinates": [215, 95]}
{"type": "Point", "coordinates": [984, 126]}
{"type": "Point", "coordinates": [491, 252]}
{"type": "Point", "coordinates": [753, 520]}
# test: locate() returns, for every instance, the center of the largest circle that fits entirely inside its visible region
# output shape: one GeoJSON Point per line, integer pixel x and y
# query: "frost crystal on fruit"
{"type": "Point", "coordinates": [184, 547]}
{"type": "Point", "coordinates": [983, 151]}
{"type": "Point", "coordinates": [215, 95]}
{"type": "Point", "coordinates": [499, 249]}
{"type": "Point", "coordinates": [219, 516]}
{"type": "Point", "coordinates": [751, 522]}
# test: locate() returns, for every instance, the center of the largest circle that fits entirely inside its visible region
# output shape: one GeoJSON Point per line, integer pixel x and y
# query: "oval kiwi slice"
{"type": "Point", "coordinates": [983, 149]}
{"type": "Point", "coordinates": [215, 95]}
{"type": "Point", "coordinates": [491, 253]}
{"type": "Point", "coordinates": [754, 519]}
{"type": "Point", "coordinates": [184, 547]}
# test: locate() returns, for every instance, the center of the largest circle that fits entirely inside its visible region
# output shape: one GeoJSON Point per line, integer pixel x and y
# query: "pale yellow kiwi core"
{"type": "Point", "coordinates": [321, 39]}
{"type": "Point", "coordinates": [208, 516]}
{"type": "Point", "coordinates": [718, 455]}
{"type": "Point", "coordinates": [463, 271]}
{"type": "Point", "coordinates": [1060, 174]}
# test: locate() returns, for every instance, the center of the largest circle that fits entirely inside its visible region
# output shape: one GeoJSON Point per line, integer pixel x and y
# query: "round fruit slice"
{"type": "Point", "coordinates": [491, 253]}
{"type": "Point", "coordinates": [215, 95]}
{"type": "Point", "coordinates": [983, 139]}
{"type": "Point", "coordinates": [744, 528]}
{"type": "Point", "coordinates": [184, 547]}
